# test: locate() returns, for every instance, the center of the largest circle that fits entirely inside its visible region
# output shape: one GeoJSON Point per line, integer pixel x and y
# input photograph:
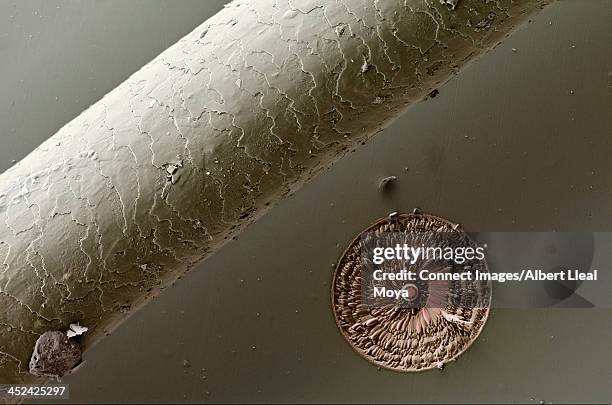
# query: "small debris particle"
{"type": "Point", "coordinates": [171, 169]}
{"type": "Point", "coordinates": [76, 330]}
{"type": "Point", "coordinates": [450, 3]}
{"type": "Point", "coordinates": [186, 363]}
{"type": "Point", "coordinates": [54, 355]}
{"type": "Point", "coordinates": [365, 67]}
{"type": "Point", "coordinates": [434, 93]}
{"type": "Point", "coordinates": [289, 14]}
{"type": "Point", "coordinates": [386, 183]}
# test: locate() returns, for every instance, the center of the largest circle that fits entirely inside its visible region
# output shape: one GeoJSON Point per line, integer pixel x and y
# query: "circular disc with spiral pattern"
{"type": "Point", "coordinates": [418, 338]}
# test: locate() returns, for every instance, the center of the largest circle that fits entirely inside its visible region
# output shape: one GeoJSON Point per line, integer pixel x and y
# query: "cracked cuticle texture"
{"type": "Point", "coordinates": [194, 146]}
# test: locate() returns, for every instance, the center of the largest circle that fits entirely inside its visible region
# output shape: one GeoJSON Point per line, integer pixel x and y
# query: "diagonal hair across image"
{"type": "Point", "coordinates": [202, 140]}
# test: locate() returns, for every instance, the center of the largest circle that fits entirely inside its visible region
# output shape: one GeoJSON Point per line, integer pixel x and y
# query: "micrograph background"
{"type": "Point", "coordinates": [519, 141]}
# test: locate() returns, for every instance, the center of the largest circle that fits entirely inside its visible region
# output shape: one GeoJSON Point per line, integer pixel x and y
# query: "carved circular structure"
{"type": "Point", "coordinates": [413, 333]}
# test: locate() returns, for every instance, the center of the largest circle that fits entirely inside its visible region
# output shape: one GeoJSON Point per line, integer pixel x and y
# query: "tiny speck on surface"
{"type": "Point", "coordinates": [386, 183]}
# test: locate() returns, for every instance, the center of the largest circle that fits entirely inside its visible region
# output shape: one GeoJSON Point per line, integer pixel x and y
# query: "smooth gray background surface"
{"type": "Point", "coordinates": [522, 140]}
